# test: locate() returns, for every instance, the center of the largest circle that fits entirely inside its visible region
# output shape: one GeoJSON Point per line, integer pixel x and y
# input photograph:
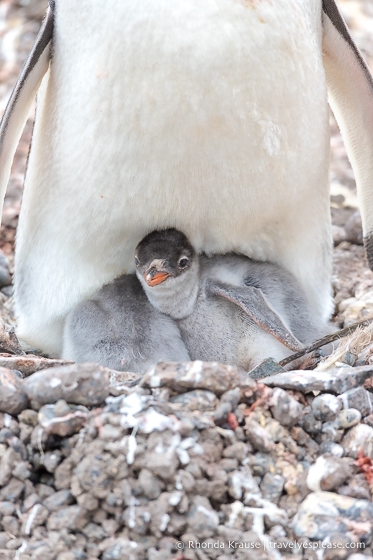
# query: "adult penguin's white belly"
{"type": "Point", "coordinates": [210, 116]}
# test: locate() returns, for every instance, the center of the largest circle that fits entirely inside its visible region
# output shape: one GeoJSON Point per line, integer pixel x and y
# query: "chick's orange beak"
{"type": "Point", "coordinates": [157, 278]}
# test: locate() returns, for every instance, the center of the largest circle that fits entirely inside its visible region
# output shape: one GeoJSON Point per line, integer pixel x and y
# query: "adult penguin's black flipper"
{"type": "Point", "coordinates": [350, 85]}
{"type": "Point", "coordinates": [24, 92]}
{"type": "Point", "coordinates": [252, 301]}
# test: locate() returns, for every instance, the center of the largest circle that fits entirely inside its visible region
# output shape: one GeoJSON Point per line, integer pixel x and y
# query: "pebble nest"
{"type": "Point", "coordinates": [191, 461]}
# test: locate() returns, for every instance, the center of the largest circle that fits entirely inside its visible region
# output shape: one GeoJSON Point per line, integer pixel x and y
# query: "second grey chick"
{"type": "Point", "coordinates": [229, 308]}
{"type": "Point", "coordinates": [119, 328]}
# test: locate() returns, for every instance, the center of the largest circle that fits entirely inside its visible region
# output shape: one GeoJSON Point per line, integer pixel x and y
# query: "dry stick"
{"type": "Point", "coordinates": [325, 340]}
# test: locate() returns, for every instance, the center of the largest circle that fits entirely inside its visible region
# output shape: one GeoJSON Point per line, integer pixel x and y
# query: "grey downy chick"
{"type": "Point", "coordinates": [229, 308]}
{"type": "Point", "coordinates": [121, 330]}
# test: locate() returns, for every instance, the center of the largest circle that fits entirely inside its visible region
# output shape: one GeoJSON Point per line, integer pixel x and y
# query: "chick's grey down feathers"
{"type": "Point", "coordinates": [243, 311]}
{"type": "Point", "coordinates": [120, 329]}
{"type": "Point", "coordinates": [225, 308]}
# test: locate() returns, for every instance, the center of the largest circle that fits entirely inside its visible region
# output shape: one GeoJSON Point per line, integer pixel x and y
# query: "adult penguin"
{"type": "Point", "coordinates": [209, 116]}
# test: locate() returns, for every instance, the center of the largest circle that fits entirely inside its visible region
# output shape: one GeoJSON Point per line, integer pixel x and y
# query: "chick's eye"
{"type": "Point", "coordinates": [183, 262]}
{"type": "Point", "coordinates": [137, 262]}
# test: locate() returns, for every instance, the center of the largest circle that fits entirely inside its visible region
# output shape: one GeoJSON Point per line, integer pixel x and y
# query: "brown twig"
{"type": "Point", "coordinates": [326, 340]}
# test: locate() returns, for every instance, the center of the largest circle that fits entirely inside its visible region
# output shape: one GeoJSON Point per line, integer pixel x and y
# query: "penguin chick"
{"type": "Point", "coordinates": [229, 308]}
{"type": "Point", "coordinates": [121, 330]}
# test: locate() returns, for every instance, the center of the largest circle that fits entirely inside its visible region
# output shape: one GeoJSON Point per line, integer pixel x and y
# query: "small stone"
{"type": "Point", "coordinates": [353, 229]}
{"type": "Point", "coordinates": [30, 501]}
{"type": "Point", "coordinates": [62, 421]}
{"type": "Point", "coordinates": [202, 519]}
{"type": "Point", "coordinates": [5, 278]}
{"type": "Point", "coordinates": [356, 487]}
{"type": "Point", "coordinates": [94, 532]}
{"type": "Point", "coordinates": [44, 491]}
{"type": "Point", "coordinates": [22, 470]}
{"type": "Point", "coordinates": [211, 376]}
{"type": "Point", "coordinates": [338, 380]}
{"type": "Point", "coordinates": [120, 549]}
{"type": "Point", "coordinates": [360, 437]}
{"type": "Point", "coordinates": [7, 463]}
{"type": "Point", "coordinates": [6, 508]}
{"type": "Point", "coordinates": [197, 400]}
{"type": "Point", "coordinates": [29, 417]}
{"type": "Point", "coordinates": [8, 291]}
{"type": "Point", "coordinates": [261, 463]}
{"type": "Point", "coordinates": [331, 448]}
{"type": "Point", "coordinates": [83, 384]}
{"type": "Point", "coordinates": [328, 473]}
{"type": "Point", "coordinates": [309, 423]}
{"type": "Point", "coordinates": [358, 398]}
{"type": "Point", "coordinates": [221, 413]}
{"type": "Point", "coordinates": [110, 433]}
{"type": "Point", "coordinates": [338, 234]}
{"type": "Point", "coordinates": [137, 518]}
{"type": "Point", "coordinates": [232, 397]}
{"type": "Point", "coordinates": [326, 407]}
{"type": "Point", "coordinates": [8, 423]}
{"type": "Point", "coordinates": [51, 460]}
{"type": "Point", "coordinates": [238, 450]}
{"type": "Point", "coordinates": [72, 517]}
{"type": "Point", "coordinates": [87, 501]}
{"type": "Point", "coordinates": [258, 436]}
{"type": "Point", "coordinates": [347, 418]}
{"type": "Point", "coordinates": [163, 464]}
{"type": "Point", "coordinates": [340, 546]}
{"type": "Point", "coordinates": [92, 476]}
{"type": "Point", "coordinates": [149, 485]}
{"type": "Point", "coordinates": [242, 485]}
{"type": "Point", "coordinates": [25, 434]}
{"type": "Point", "coordinates": [285, 408]}
{"type": "Point", "coordinates": [11, 525]}
{"type": "Point", "coordinates": [272, 486]}
{"type": "Point", "coordinates": [58, 499]}
{"type": "Point", "coordinates": [4, 538]}
{"type": "Point", "coordinates": [14, 544]}
{"type": "Point", "coordinates": [13, 397]}
{"type": "Point", "coordinates": [37, 516]}
{"type": "Point", "coordinates": [121, 381]}
{"type": "Point", "coordinates": [12, 491]}
{"type": "Point", "coordinates": [265, 369]}
{"type": "Point", "coordinates": [6, 555]}
{"type": "Point", "coordinates": [323, 513]}
{"type": "Point", "coordinates": [29, 364]}
{"type": "Point", "coordinates": [330, 432]}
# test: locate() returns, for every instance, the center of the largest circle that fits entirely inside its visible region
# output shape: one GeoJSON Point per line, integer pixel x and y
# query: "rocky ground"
{"type": "Point", "coordinates": [194, 461]}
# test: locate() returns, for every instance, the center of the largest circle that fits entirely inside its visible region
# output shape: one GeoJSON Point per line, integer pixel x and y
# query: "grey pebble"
{"type": "Point", "coordinates": [332, 448]}
{"type": "Point", "coordinates": [84, 384]}
{"type": "Point", "coordinates": [5, 277]}
{"type": "Point", "coordinates": [309, 423]}
{"type": "Point", "coordinates": [337, 380]}
{"type": "Point", "coordinates": [323, 513]}
{"type": "Point", "coordinates": [348, 417]}
{"type": "Point", "coordinates": [360, 437]}
{"type": "Point", "coordinates": [198, 399]}
{"type": "Point", "coordinates": [272, 486]}
{"type": "Point", "coordinates": [285, 408]}
{"type": "Point", "coordinates": [325, 407]}
{"type": "Point", "coordinates": [358, 398]}
{"type": "Point", "coordinates": [13, 397]}
{"type": "Point", "coordinates": [58, 499]}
